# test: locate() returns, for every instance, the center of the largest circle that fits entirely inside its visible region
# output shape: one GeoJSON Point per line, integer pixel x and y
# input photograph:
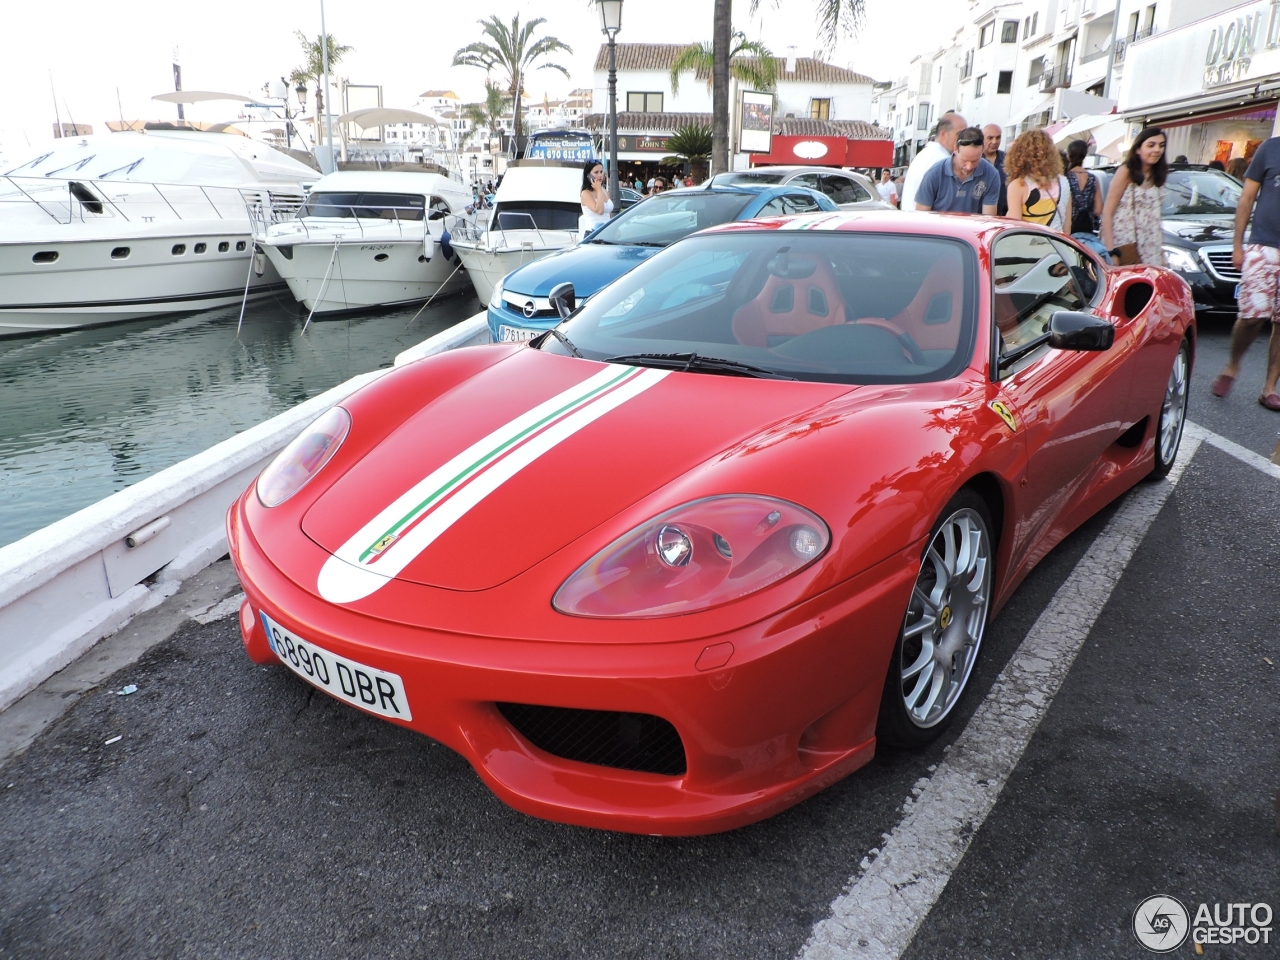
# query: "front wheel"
{"type": "Point", "coordinates": [1173, 413]}
{"type": "Point", "coordinates": [943, 627]}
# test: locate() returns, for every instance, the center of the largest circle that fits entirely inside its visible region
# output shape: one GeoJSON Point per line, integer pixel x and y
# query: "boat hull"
{"type": "Point", "coordinates": [363, 274]}
{"type": "Point", "coordinates": [487, 267]}
{"type": "Point", "coordinates": [85, 285]}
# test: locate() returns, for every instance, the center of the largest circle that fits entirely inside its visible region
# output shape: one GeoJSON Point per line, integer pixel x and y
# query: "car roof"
{"type": "Point", "coordinates": [753, 188]}
{"type": "Point", "coordinates": [787, 171]}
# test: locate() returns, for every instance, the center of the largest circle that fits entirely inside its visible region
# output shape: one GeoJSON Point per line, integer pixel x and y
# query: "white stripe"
{"type": "Point", "coordinates": [342, 581]}
{"type": "Point", "coordinates": [1243, 454]}
{"type": "Point", "coordinates": [880, 914]}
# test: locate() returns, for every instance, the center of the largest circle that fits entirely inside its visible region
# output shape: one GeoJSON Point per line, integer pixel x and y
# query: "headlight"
{"type": "Point", "coordinates": [696, 556]}
{"type": "Point", "coordinates": [495, 301]}
{"type": "Point", "coordinates": [302, 459]}
{"type": "Point", "coordinates": [1182, 260]}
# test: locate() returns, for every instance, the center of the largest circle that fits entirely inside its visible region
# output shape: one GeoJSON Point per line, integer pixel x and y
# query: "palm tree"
{"type": "Point", "coordinates": [691, 144]}
{"type": "Point", "coordinates": [750, 63]}
{"type": "Point", "coordinates": [512, 52]}
{"type": "Point", "coordinates": [489, 111]}
{"type": "Point", "coordinates": [834, 17]}
{"type": "Point", "coordinates": [313, 69]}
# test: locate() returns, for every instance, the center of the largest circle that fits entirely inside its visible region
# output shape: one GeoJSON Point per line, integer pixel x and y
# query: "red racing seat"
{"type": "Point", "coordinates": [804, 298]}
{"type": "Point", "coordinates": [932, 318]}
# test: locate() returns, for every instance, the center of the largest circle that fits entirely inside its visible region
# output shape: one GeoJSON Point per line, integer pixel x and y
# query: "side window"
{"type": "Point", "coordinates": [1083, 269]}
{"type": "Point", "coordinates": [840, 189]}
{"type": "Point", "coordinates": [809, 180]}
{"type": "Point", "coordinates": [799, 203]}
{"type": "Point", "coordinates": [438, 209]}
{"type": "Point", "coordinates": [773, 208]}
{"type": "Point", "coordinates": [1031, 283]}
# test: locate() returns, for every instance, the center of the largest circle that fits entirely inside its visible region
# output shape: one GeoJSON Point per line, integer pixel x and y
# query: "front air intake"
{"type": "Point", "coordinates": [609, 738]}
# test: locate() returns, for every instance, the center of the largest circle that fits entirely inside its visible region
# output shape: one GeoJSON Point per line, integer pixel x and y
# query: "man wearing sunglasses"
{"type": "Point", "coordinates": [963, 183]}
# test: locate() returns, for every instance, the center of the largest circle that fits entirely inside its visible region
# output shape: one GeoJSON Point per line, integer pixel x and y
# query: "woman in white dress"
{"type": "Point", "coordinates": [597, 208]}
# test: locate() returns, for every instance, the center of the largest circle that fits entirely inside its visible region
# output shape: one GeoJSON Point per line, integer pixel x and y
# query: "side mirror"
{"type": "Point", "coordinates": [1080, 331]}
{"type": "Point", "coordinates": [563, 299]}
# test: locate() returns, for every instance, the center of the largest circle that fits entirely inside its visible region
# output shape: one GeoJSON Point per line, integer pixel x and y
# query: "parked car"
{"type": "Point", "coordinates": [848, 190]}
{"type": "Point", "coordinates": [1199, 219]}
{"type": "Point", "coordinates": [628, 197]}
{"type": "Point", "coordinates": [691, 557]}
{"type": "Point", "coordinates": [519, 308]}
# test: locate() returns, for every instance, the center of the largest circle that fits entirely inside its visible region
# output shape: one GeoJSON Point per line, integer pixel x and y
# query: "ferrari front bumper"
{"type": "Point", "coordinates": [766, 715]}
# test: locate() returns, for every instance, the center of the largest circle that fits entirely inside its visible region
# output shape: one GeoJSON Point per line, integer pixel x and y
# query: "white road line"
{"type": "Point", "coordinates": [879, 914]}
{"type": "Point", "coordinates": [1243, 454]}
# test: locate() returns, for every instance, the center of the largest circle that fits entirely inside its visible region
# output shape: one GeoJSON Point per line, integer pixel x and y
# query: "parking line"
{"type": "Point", "coordinates": [1243, 454]}
{"type": "Point", "coordinates": [879, 915]}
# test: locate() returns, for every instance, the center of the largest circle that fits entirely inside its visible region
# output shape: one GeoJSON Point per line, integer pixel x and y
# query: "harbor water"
{"type": "Point", "coordinates": [89, 412]}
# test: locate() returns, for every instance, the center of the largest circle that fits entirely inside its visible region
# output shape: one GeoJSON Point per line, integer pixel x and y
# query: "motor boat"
{"type": "Point", "coordinates": [114, 227]}
{"type": "Point", "coordinates": [535, 213]}
{"type": "Point", "coordinates": [368, 238]}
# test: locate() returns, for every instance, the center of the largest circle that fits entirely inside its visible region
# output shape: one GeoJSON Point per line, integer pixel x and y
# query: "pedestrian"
{"type": "Point", "coordinates": [639, 186]}
{"type": "Point", "coordinates": [1237, 167]}
{"type": "Point", "coordinates": [939, 148]}
{"type": "Point", "coordinates": [887, 189]}
{"type": "Point", "coordinates": [1259, 264]}
{"type": "Point", "coordinates": [1038, 191]}
{"type": "Point", "coordinates": [649, 186]}
{"type": "Point", "coordinates": [991, 152]}
{"type": "Point", "coordinates": [963, 182]}
{"type": "Point", "coordinates": [1131, 227]}
{"type": "Point", "coordinates": [1216, 165]}
{"type": "Point", "coordinates": [1182, 158]}
{"type": "Point", "coordinates": [899, 183]}
{"type": "Point", "coordinates": [1086, 199]}
{"type": "Point", "coordinates": [597, 206]}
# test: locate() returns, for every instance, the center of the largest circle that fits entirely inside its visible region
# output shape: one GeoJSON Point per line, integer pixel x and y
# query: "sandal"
{"type": "Point", "coordinates": [1271, 401]}
{"type": "Point", "coordinates": [1222, 385]}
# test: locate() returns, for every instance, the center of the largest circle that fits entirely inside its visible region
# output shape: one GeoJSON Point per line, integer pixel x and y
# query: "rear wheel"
{"type": "Point", "coordinates": [943, 626]}
{"type": "Point", "coordinates": [1173, 413]}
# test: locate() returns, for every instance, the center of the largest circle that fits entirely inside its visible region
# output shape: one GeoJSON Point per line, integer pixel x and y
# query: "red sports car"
{"type": "Point", "coordinates": [682, 561]}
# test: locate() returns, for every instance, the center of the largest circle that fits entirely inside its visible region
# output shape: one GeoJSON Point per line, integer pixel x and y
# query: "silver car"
{"type": "Point", "coordinates": [848, 190]}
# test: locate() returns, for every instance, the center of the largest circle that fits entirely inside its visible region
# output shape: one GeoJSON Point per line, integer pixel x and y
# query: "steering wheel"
{"type": "Point", "coordinates": [907, 342]}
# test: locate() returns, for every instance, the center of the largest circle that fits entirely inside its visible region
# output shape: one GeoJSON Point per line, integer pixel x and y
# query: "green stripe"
{"type": "Point", "coordinates": [468, 471]}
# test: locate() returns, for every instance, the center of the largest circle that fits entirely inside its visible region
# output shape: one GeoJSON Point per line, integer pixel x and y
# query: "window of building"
{"type": "Point", "coordinates": [1150, 20]}
{"type": "Point", "coordinates": [1004, 83]}
{"type": "Point", "coordinates": [978, 85]}
{"type": "Point", "coordinates": [1009, 32]}
{"type": "Point", "coordinates": [1026, 28]}
{"type": "Point", "coordinates": [1036, 71]}
{"type": "Point", "coordinates": [923, 118]}
{"type": "Point", "coordinates": [939, 73]}
{"type": "Point", "coordinates": [988, 34]}
{"type": "Point", "coordinates": [820, 108]}
{"type": "Point", "coordinates": [644, 102]}
{"type": "Point", "coordinates": [1035, 22]}
{"type": "Point", "coordinates": [966, 70]}
{"type": "Point", "coordinates": [911, 112]}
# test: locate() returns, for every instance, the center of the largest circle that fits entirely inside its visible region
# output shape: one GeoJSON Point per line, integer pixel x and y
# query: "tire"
{"type": "Point", "coordinates": [1173, 413]}
{"type": "Point", "coordinates": [942, 628]}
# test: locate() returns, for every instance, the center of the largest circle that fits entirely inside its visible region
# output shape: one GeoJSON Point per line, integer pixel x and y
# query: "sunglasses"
{"type": "Point", "coordinates": [969, 143]}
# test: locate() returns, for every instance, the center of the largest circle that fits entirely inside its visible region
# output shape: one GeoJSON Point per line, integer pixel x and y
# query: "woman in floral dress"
{"type": "Point", "coordinates": [1132, 211]}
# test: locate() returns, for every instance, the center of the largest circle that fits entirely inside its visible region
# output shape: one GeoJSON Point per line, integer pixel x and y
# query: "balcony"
{"type": "Point", "coordinates": [1055, 77]}
{"type": "Point", "coordinates": [1122, 43]}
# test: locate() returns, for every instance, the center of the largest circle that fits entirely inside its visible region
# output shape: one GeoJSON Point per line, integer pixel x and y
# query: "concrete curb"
{"type": "Point", "coordinates": [65, 587]}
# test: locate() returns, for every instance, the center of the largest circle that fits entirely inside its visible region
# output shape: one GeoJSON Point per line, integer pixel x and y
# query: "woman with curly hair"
{"type": "Point", "coordinates": [1037, 190]}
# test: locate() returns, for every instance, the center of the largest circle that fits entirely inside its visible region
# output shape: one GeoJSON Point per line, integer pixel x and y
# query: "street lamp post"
{"type": "Point", "coordinates": [610, 24]}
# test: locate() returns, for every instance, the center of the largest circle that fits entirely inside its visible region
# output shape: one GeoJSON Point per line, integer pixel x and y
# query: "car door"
{"type": "Point", "coordinates": [1069, 406]}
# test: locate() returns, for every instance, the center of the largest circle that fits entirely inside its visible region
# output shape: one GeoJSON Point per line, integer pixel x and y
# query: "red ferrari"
{"type": "Point", "coordinates": [682, 561]}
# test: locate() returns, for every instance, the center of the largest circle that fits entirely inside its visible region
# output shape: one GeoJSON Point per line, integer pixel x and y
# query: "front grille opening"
{"type": "Point", "coordinates": [608, 738]}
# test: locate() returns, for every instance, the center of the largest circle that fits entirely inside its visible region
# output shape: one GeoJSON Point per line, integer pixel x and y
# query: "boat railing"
{"type": "Point", "coordinates": [82, 201]}
{"type": "Point", "coordinates": [495, 235]}
{"type": "Point", "coordinates": [326, 229]}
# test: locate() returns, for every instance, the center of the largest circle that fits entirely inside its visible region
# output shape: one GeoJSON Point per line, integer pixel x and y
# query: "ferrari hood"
{"type": "Point", "coordinates": [523, 458]}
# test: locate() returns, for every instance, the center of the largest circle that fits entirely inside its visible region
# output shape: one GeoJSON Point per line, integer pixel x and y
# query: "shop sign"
{"type": "Point", "coordinates": [1233, 43]}
{"type": "Point", "coordinates": [643, 143]}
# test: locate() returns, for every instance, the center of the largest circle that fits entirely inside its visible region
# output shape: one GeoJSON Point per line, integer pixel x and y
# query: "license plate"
{"type": "Point", "coordinates": [516, 334]}
{"type": "Point", "coordinates": [368, 688]}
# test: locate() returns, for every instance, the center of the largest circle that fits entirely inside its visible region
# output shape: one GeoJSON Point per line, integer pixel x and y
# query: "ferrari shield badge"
{"type": "Point", "coordinates": [1005, 414]}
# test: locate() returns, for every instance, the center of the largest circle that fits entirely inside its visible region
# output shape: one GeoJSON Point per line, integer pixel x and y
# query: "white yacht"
{"type": "Point", "coordinates": [101, 229]}
{"type": "Point", "coordinates": [535, 213]}
{"type": "Point", "coordinates": [368, 238]}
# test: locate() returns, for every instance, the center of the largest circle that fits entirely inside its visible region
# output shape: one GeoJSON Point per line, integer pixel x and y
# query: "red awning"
{"type": "Point", "coordinates": [827, 152]}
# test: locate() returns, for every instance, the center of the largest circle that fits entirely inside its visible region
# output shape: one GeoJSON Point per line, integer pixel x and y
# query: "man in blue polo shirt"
{"type": "Point", "coordinates": [963, 183]}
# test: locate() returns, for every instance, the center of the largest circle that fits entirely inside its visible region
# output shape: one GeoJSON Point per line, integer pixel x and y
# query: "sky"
{"type": "Point", "coordinates": [104, 60]}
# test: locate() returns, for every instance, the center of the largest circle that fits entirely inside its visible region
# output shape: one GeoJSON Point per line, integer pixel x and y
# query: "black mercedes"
{"type": "Point", "coordinates": [1199, 217]}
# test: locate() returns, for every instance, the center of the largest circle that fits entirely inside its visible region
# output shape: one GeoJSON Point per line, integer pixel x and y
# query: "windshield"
{"type": "Point", "coordinates": [750, 178]}
{"type": "Point", "coordinates": [661, 220]}
{"type": "Point", "coordinates": [367, 206]}
{"type": "Point", "coordinates": [832, 306]}
{"type": "Point", "coordinates": [1192, 192]}
{"type": "Point", "coordinates": [536, 215]}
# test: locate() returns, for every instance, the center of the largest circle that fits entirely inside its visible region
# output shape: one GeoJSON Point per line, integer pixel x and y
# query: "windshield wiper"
{"type": "Point", "coordinates": [694, 361]}
{"type": "Point", "coordinates": [649, 243]}
{"type": "Point", "coordinates": [565, 340]}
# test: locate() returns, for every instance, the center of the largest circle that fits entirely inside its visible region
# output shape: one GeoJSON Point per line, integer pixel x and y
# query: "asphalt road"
{"type": "Point", "coordinates": [244, 815]}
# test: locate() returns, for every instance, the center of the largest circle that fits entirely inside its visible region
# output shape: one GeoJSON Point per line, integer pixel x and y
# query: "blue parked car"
{"type": "Point", "coordinates": [519, 308]}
